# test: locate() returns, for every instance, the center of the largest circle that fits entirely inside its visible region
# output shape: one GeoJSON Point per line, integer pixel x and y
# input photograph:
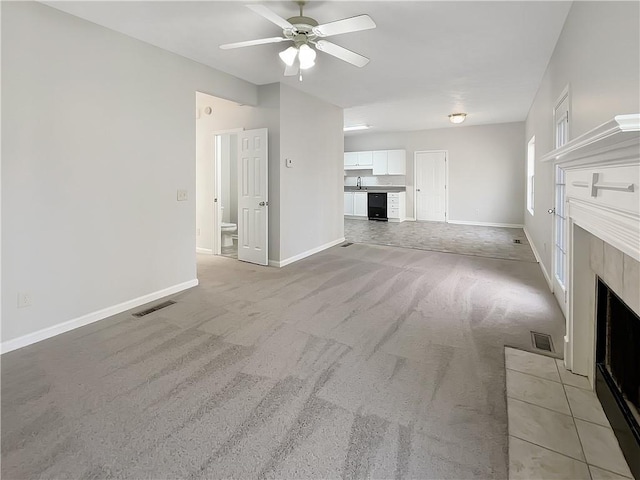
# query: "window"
{"type": "Point", "coordinates": [531, 166]}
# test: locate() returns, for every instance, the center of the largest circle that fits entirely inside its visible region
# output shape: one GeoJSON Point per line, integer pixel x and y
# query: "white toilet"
{"type": "Point", "coordinates": [228, 231]}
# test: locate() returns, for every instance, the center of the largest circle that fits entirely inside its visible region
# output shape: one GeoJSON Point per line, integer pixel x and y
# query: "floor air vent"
{"type": "Point", "coordinates": [348, 244]}
{"type": "Point", "coordinates": [542, 341]}
{"type": "Point", "coordinates": [516, 240]}
{"type": "Point", "coordinates": [155, 308]}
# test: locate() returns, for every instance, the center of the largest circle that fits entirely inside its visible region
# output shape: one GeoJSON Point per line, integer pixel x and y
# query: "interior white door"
{"type": "Point", "coordinates": [430, 180]}
{"type": "Point", "coordinates": [217, 189]}
{"type": "Point", "coordinates": [560, 277]}
{"type": "Point", "coordinates": [253, 199]}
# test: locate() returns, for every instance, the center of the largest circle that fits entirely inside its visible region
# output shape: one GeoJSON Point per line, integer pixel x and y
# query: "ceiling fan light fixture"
{"type": "Point", "coordinates": [307, 56]}
{"type": "Point", "coordinates": [288, 56]}
{"type": "Point", "coordinates": [457, 117]}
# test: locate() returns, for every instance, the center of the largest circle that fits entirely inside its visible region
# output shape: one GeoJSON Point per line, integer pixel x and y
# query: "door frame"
{"type": "Point", "coordinates": [446, 182]}
{"type": "Point", "coordinates": [561, 292]}
{"type": "Point", "coordinates": [217, 188]}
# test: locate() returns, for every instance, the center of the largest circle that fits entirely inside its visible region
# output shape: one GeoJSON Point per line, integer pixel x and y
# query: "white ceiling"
{"type": "Point", "coordinates": [428, 59]}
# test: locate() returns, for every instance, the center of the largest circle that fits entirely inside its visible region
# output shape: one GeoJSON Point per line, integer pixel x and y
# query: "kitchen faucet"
{"type": "Point", "coordinates": [359, 183]}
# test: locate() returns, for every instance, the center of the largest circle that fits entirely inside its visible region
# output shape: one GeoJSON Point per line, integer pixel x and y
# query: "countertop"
{"type": "Point", "coordinates": [375, 188]}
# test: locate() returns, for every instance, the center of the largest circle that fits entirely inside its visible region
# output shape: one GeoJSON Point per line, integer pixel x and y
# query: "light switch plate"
{"type": "Point", "coordinates": [182, 195]}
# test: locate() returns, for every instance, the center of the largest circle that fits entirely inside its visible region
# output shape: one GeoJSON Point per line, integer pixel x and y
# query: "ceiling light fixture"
{"type": "Point", "coordinates": [354, 128]}
{"type": "Point", "coordinates": [457, 117]}
{"type": "Point", "coordinates": [307, 56]}
{"type": "Point", "coordinates": [289, 55]}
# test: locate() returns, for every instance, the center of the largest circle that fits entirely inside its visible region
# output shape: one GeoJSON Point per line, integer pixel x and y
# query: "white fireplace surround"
{"type": "Point", "coordinates": [602, 198]}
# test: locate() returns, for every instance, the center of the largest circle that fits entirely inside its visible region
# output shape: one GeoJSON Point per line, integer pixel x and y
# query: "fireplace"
{"type": "Point", "coordinates": [602, 199]}
{"type": "Point", "coordinates": [618, 370]}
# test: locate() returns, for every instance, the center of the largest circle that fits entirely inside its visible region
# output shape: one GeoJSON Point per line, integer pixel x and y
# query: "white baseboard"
{"type": "Point", "coordinates": [410, 219]}
{"type": "Point", "coordinates": [300, 256]}
{"type": "Point", "coordinates": [539, 259]}
{"type": "Point", "coordinates": [486, 224]}
{"type": "Point", "coordinates": [206, 251]}
{"type": "Point", "coordinates": [92, 317]}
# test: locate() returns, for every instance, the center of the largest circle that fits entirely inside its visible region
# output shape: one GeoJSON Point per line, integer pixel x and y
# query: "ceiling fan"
{"type": "Point", "coordinates": [305, 32]}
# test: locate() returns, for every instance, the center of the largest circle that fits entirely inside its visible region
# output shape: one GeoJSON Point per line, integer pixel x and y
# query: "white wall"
{"type": "Point", "coordinates": [486, 166]}
{"type": "Point", "coordinates": [311, 199]}
{"type": "Point", "coordinates": [598, 54]}
{"type": "Point", "coordinates": [98, 134]}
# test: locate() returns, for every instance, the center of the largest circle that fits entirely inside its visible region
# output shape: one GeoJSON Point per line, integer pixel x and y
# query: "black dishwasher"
{"type": "Point", "coordinates": [377, 206]}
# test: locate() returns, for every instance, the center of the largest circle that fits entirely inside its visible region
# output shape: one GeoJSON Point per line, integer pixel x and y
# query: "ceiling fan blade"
{"type": "Point", "coordinates": [270, 15]}
{"type": "Point", "coordinates": [291, 71]}
{"type": "Point", "coordinates": [250, 43]}
{"type": "Point", "coordinates": [347, 25]}
{"type": "Point", "coordinates": [342, 53]}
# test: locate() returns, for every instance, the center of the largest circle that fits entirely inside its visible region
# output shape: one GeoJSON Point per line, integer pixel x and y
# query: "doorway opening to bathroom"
{"type": "Point", "coordinates": [231, 181]}
{"type": "Point", "coordinates": [226, 174]}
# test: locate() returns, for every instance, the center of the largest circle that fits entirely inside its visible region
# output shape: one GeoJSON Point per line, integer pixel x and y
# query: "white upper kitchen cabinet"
{"type": "Point", "coordinates": [365, 159]}
{"type": "Point", "coordinates": [396, 162]}
{"type": "Point", "coordinates": [358, 160]}
{"type": "Point", "coordinates": [350, 159]}
{"type": "Point", "coordinates": [380, 162]}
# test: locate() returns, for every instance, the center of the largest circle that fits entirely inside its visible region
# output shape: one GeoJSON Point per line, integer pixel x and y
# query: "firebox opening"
{"type": "Point", "coordinates": [618, 370]}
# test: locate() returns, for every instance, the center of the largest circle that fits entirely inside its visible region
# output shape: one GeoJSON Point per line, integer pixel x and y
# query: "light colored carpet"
{"type": "Point", "coordinates": [493, 242]}
{"type": "Point", "coordinates": [358, 362]}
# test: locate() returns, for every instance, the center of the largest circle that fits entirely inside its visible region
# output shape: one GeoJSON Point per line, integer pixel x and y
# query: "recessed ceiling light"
{"type": "Point", "coordinates": [353, 128]}
{"type": "Point", "coordinates": [457, 117]}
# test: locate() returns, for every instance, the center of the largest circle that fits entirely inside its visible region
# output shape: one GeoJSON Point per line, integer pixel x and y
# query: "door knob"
{"type": "Point", "coordinates": [262, 204]}
{"type": "Point", "coordinates": [417, 189]}
{"type": "Point", "coordinates": [551, 211]}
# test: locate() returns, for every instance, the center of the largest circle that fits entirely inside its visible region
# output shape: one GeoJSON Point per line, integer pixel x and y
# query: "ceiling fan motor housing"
{"type": "Point", "coordinates": [303, 22]}
{"type": "Point", "coordinates": [302, 31]}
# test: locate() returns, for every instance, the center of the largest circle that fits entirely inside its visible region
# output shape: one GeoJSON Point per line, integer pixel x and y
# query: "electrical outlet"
{"type": "Point", "coordinates": [24, 299]}
{"type": "Point", "coordinates": [182, 195]}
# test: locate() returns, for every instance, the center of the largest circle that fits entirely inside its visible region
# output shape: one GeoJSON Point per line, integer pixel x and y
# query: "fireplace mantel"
{"type": "Point", "coordinates": [602, 181]}
{"type": "Point", "coordinates": [602, 195]}
{"type": "Point", "coordinates": [599, 145]}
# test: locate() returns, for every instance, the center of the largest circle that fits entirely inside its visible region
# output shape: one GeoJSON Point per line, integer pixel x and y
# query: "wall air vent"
{"type": "Point", "coordinates": [348, 244]}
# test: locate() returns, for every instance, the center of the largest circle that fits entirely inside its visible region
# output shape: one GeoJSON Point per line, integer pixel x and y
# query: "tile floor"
{"type": "Point", "coordinates": [230, 251]}
{"type": "Point", "coordinates": [557, 428]}
{"type": "Point", "coordinates": [493, 242]}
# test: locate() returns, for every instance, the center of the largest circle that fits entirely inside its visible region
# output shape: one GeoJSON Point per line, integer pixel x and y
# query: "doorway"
{"type": "Point", "coordinates": [430, 185]}
{"type": "Point", "coordinates": [231, 183]}
{"type": "Point", "coordinates": [240, 195]}
{"type": "Point", "coordinates": [225, 200]}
